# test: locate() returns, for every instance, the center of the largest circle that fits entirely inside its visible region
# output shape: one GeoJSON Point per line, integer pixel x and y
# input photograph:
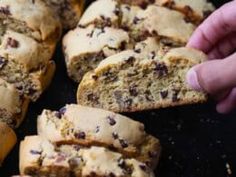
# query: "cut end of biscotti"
{"type": "Point", "coordinates": [129, 82]}
{"type": "Point", "coordinates": [7, 141]}
{"type": "Point", "coordinates": [38, 156]}
{"type": "Point", "coordinates": [75, 124]}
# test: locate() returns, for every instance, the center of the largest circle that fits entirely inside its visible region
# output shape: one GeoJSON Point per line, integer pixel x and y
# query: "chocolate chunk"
{"type": "Point", "coordinates": [161, 69]}
{"type": "Point", "coordinates": [34, 152]}
{"type": "Point", "coordinates": [3, 62]}
{"type": "Point", "coordinates": [164, 94]}
{"type": "Point", "coordinates": [133, 91]}
{"type": "Point", "coordinates": [80, 135]}
{"type": "Point", "coordinates": [12, 43]}
{"type": "Point", "coordinates": [5, 10]}
{"type": "Point", "coordinates": [111, 120]}
{"type": "Point", "coordinates": [115, 135]}
{"type": "Point", "coordinates": [123, 143]}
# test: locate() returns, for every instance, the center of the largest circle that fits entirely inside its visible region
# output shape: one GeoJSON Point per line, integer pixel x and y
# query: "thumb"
{"type": "Point", "coordinates": [213, 77]}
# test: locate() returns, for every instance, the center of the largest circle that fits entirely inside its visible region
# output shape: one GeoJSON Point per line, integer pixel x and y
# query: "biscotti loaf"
{"type": "Point", "coordinates": [89, 126]}
{"type": "Point", "coordinates": [13, 105]}
{"type": "Point", "coordinates": [128, 82]}
{"type": "Point", "coordinates": [7, 141]}
{"type": "Point", "coordinates": [69, 11]}
{"type": "Point", "coordinates": [40, 158]}
{"type": "Point", "coordinates": [86, 47]}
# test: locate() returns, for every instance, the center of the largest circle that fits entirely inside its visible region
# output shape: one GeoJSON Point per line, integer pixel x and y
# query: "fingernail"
{"type": "Point", "coordinates": [192, 80]}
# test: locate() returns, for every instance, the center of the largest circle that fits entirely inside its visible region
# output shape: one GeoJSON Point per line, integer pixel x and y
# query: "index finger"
{"type": "Point", "coordinates": [214, 28]}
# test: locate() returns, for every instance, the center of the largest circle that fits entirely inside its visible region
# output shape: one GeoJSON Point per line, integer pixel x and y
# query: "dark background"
{"type": "Point", "coordinates": [196, 141]}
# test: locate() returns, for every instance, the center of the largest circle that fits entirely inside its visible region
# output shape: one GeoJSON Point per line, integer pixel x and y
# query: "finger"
{"type": "Point", "coordinates": [214, 28]}
{"type": "Point", "coordinates": [224, 48]}
{"type": "Point", "coordinates": [213, 76]}
{"type": "Point", "coordinates": [228, 104]}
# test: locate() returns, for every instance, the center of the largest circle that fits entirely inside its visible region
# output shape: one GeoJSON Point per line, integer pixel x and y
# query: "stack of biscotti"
{"type": "Point", "coordinates": [69, 11]}
{"type": "Point", "coordinates": [29, 31]}
{"type": "Point", "coordinates": [134, 53]}
{"type": "Point", "coordinates": [81, 141]}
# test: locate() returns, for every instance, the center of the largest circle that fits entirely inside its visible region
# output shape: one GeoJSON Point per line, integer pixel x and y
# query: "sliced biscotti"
{"type": "Point", "coordinates": [40, 158]}
{"type": "Point", "coordinates": [33, 18]}
{"type": "Point", "coordinates": [86, 126]}
{"type": "Point", "coordinates": [69, 11]}
{"type": "Point", "coordinates": [195, 11]}
{"type": "Point", "coordinates": [129, 82]}
{"type": "Point", "coordinates": [102, 13]}
{"type": "Point", "coordinates": [13, 105]}
{"type": "Point", "coordinates": [85, 48]}
{"type": "Point", "coordinates": [161, 22]}
{"type": "Point", "coordinates": [7, 140]}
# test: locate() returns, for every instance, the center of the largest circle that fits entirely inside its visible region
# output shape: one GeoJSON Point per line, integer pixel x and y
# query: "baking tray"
{"type": "Point", "coordinates": [196, 141]}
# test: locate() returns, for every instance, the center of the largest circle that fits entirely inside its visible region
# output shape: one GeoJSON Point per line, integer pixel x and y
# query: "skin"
{"type": "Point", "coordinates": [216, 37]}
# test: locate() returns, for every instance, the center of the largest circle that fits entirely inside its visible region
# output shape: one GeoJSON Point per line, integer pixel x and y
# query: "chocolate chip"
{"type": "Point", "coordinates": [80, 135]}
{"type": "Point", "coordinates": [3, 62]}
{"type": "Point", "coordinates": [137, 20]}
{"type": "Point", "coordinates": [137, 50]}
{"type": "Point", "coordinates": [128, 103]}
{"type": "Point", "coordinates": [143, 167]}
{"type": "Point", "coordinates": [97, 129]}
{"type": "Point", "coordinates": [117, 11]}
{"type": "Point", "coordinates": [133, 91]}
{"type": "Point", "coordinates": [148, 95]}
{"type": "Point", "coordinates": [115, 135]}
{"type": "Point", "coordinates": [12, 43]}
{"type": "Point", "coordinates": [130, 60]}
{"type": "Point", "coordinates": [62, 110]}
{"type": "Point", "coordinates": [123, 45]}
{"type": "Point", "coordinates": [123, 143]}
{"type": "Point", "coordinates": [95, 77]}
{"type": "Point", "coordinates": [58, 115]}
{"type": "Point", "coordinates": [111, 174]}
{"type": "Point", "coordinates": [152, 154]}
{"type": "Point", "coordinates": [5, 10]}
{"type": "Point", "coordinates": [161, 69]}
{"type": "Point", "coordinates": [93, 98]}
{"type": "Point", "coordinates": [111, 120]}
{"type": "Point", "coordinates": [124, 166]}
{"type": "Point", "coordinates": [175, 95]}
{"type": "Point", "coordinates": [110, 77]}
{"type": "Point", "coordinates": [76, 147]}
{"type": "Point", "coordinates": [152, 55]}
{"type": "Point", "coordinates": [164, 94]}
{"type": "Point", "coordinates": [34, 152]}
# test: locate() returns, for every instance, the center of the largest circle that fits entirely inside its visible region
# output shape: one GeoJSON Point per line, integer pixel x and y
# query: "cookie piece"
{"type": "Point", "coordinates": [89, 126]}
{"type": "Point", "coordinates": [85, 48]}
{"type": "Point", "coordinates": [69, 11]}
{"type": "Point", "coordinates": [161, 22]}
{"type": "Point", "coordinates": [195, 11]}
{"type": "Point", "coordinates": [101, 13]}
{"type": "Point", "coordinates": [7, 141]}
{"type": "Point", "coordinates": [38, 157]}
{"type": "Point", "coordinates": [13, 105]}
{"type": "Point", "coordinates": [37, 20]}
{"type": "Point", "coordinates": [140, 83]}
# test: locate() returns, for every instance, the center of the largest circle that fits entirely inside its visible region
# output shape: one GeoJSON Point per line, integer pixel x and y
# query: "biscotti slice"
{"type": "Point", "coordinates": [102, 13]}
{"type": "Point", "coordinates": [161, 22]}
{"type": "Point", "coordinates": [13, 105]}
{"type": "Point", "coordinates": [85, 48]}
{"type": "Point", "coordinates": [128, 82]}
{"type": "Point", "coordinates": [69, 11]}
{"type": "Point", "coordinates": [40, 158]}
{"type": "Point", "coordinates": [89, 126]}
{"type": "Point", "coordinates": [30, 84]}
{"type": "Point", "coordinates": [25, 50]}
{"type": "Point", "coordinates": [33, 18]}
{"type": "Point", "coordinates": [196, 11]}
{"type": "Point", "coordinates": [7, 141]}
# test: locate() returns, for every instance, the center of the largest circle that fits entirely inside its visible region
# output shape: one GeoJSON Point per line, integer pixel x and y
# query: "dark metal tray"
{"type": "Point", "coordinates": [197, 142]}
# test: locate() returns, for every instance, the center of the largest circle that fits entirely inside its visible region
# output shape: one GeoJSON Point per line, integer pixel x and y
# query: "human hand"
{"type": "Point", "coordinates": [216, 36]}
